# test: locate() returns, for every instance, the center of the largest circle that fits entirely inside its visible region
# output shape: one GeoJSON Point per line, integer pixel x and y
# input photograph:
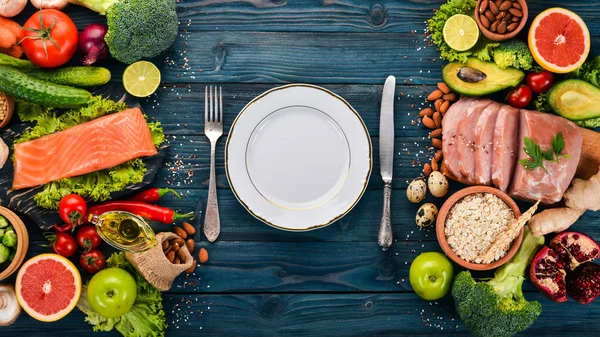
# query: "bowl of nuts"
{"type": "Point", "coordinates": [7, 106]}
{"type": "Point", "coordinates": [500, 20]}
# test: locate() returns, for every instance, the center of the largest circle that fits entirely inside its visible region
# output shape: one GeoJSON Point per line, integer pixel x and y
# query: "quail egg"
{"type": "Point", "coordinates": [438, 184]}
{"type": "Point", "coordinates": [426, 215]}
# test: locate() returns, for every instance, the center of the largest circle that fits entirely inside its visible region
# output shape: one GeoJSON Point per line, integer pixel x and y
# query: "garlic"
{"type": "Point", "coordinates": [9, 307]}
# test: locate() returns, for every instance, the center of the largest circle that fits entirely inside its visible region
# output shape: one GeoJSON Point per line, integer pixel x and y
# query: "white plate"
{"type": "Point", "coordinates": [298, 157]}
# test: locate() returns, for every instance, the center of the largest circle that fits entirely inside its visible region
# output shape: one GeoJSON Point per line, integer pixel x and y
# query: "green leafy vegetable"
{"type": "Point", "coordinates": [537, 156]}
{"type": "Point", "coordinates": [498, 308]}
{"type": "Point", "coordinates": [589, 123]}
{"type": "Point", "coordinates": [513, 53]}
{"type": "Point", "coordinates": [541, 103]}
{"type": "Point", "coordinates": [482, 49]}
{"type": "Point", "coordinates": [146, 317]}
{"type": "Point", "coordinates": [589, 71]}
{"type": "Point", "coordinates": [98, 185]}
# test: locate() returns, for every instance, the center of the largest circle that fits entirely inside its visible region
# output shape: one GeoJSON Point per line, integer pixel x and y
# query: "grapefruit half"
{"type": "Point", "coordinates": [559, 40]}
{"type": "Point", "coordinates": [48, 287]}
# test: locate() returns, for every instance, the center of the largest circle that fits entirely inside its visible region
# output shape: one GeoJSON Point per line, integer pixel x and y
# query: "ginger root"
{"type": "Point", "coordinates": [582, 195]}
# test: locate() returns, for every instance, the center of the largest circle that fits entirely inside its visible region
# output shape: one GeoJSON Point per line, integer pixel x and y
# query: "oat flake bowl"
{"type": "Point", "coordinates": [470, 220]}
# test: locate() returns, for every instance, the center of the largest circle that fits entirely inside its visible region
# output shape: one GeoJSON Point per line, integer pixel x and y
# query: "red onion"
{"type": "Point", "coordinates": [91, 42]}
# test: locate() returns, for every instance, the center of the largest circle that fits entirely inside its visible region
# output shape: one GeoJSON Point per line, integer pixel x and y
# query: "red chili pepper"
{"type": "Point", "coordinates": [150, 212]}
{"type": "Point", "coordinates": [68, 227]}
{"type": "Point", "coordinates": [154, 194]}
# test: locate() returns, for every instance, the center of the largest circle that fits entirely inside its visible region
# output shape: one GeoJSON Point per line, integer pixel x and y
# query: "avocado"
{"type": "Point", "coordinates": [575, 100]}
{"type": "Point", "coordinates": [495, 79]}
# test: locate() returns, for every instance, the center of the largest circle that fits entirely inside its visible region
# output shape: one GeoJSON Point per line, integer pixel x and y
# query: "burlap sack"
{"type": "Point", "coordinates": [154, 265]}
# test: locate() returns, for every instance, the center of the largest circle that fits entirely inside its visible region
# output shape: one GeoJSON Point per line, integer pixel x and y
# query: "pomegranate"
{"type": "Point", "coordinates": [563, 268]}
{"type": "Point", "coordinates": [583, 285]}
{"type": "Point", "coordinates": [548, 275]}
{"type": "Point", "coordinates": [575, 248]}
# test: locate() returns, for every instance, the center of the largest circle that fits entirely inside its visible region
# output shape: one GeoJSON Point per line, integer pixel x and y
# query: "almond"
{"type": "Point", "coordinates": [484, 6]}
{"type": "Point", "coordinates": [517, 13]}
{"type": "Point", "coordinates": [171, 256]}
{"type": "Point", "coordinates": [512, 26]}
{"type": "Point", "coordinates": [437, 143]}
{"type": "Point", "coordinates": [168, 250]}
{"type": "Point", "coordinates": [434, 164]}
{"type": "Point", "coordinates": [177, 260]}
{"type": "Point", "coordinates": [436, 94]}
{"type": "Point", "coordinates": [437, 133]}
{"type": "Point", "coordinates": [485, 22]}
{"type": "Point", "coordinates": [444, 170]}
{"type": "Point", "coordinates": [190, 244]}
{"type": "Point", "coordinates": [181, 254]}
{"type": "Point", "coordinates": [179, 231]}
{"type": "Point", "coordinates": [438, 103]}
{"type": "Point", "coordinates": [426, 112]}
{"type": "Point", "coordinates": [192, 268]}
{"type": "Point", "coordinates": [175, 248]}
{"type": "Point", "coordinates": [439, 155]}
{"type": "Point", "coordinates": [444, 107]}
{"type": "Point", "coordinates": [494, 8]}
{"type": "Point", "coordinates": [428, 122]}
{"type": "Point", "coordinates": [443, 87]}
{"type": "Point", "coordinates": [450, 97]}
{"type": "Point", "coordinates": [203, 255]}
{"type": "Point", "coordinates": [178, 241]}
{"type": "Point", "coordinates": [188, 228]}
{"type": "Point", "coordinates": [437, 119]}
{"type": "Point", "coordinates": [165, 245]}
{"type": "Point", "coordinates": [506, 5]}
{"type": "Point", "coordinates": [427, 169]}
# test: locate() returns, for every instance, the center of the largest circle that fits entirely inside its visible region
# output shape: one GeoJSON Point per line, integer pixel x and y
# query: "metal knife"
{"type": "Point", "coordinates": [386, 158]}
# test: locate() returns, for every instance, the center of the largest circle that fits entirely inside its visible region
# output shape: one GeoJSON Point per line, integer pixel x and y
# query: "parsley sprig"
{"type": "Point", "coordinates": [537, 156]}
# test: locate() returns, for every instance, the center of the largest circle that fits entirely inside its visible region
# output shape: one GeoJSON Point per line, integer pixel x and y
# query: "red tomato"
{"type": "Point", "coordinates": [519, 97]}
{"type": "Point", "coordinates": [62, 244]}
{"type": "Point", "coordinates": [52, 44]}
{"type": "Point", "coordinates": [92, 261]}
{"type": "Point", "coordinates": [65, 228]}
{"type": "Point", "coordinates": [72, 209]}
{"type": "Point", "coordinates": [88, 238]}
{"type": "Point", "coordinates": [540, 82]}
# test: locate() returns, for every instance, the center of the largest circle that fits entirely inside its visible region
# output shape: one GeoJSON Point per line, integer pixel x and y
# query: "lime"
{"type": "Point", "coordinates": [141, 79]}
{"type": "Point", "coordinates": [461, 32]}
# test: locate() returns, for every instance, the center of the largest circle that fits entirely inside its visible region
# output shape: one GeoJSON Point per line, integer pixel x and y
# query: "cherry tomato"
{"type": "Point", "coordinates": [62, 244]}
{"type": "Point", "coordinates": [51, 39]}
{"type": "Point", "coordinates": [88, 238]}
{"type": "Point", "coordinates": [92, 261]}
{"type": "Point", "coordinates": [72, 209]}
{"type": "Point", "coordinates": [540, 82]}
{"type": "Point", "coordinates": [64, 228]}
{"type": "Point", "coordinates": [519, 97]}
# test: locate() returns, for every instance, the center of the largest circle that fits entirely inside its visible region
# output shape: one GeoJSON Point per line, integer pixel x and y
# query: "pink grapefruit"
{"type": "Point", "coordinates": [559, 40]}
{"type": "Point", "coordinates": [48, 287]}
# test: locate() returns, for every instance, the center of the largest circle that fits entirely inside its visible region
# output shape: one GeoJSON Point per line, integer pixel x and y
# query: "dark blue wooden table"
{"type": "Point", "coordinates": [334, 281]}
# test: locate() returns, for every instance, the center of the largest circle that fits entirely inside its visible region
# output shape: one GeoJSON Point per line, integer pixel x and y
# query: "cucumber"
{"type": "Point", "coordinates": [7, 60]}
{"type": "Point", "coordinates": [81, 77]}
{"type": "Point", "coordinates": [33, 90]}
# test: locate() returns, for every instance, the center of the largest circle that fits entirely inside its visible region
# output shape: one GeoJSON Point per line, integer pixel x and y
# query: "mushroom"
{"type": "Point", "coordinates": [53, 4]}
{"type": "Point", "coordinates": [9, 307]}
{"type": "Point", "coordinates": [10, 8]}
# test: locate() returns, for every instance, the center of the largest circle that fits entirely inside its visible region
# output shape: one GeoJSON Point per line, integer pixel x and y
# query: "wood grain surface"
{"type": "Point", "coordinates": [335, 281]}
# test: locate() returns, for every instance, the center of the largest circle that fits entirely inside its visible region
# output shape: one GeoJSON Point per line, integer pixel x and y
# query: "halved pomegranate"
{"type": "Point", "coordinates": [548, 274]}
{"type": "Point", "coordinates": [583, 285]}
{"type": "Point", "coordinates": [575, 248]}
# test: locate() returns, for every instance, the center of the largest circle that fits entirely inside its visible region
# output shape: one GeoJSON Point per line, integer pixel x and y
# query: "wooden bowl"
{"type": "Point", "coordinates": [22, 242]}
{"type": "Point", "coordinates": [502, 37]}
{"type": "Point", "coordinates": [11, 109]}
{"type": "Point", "coordinates": [441, 221]}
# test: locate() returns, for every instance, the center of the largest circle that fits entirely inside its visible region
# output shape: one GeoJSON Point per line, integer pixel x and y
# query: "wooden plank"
{"type": "Point", "coordinates": [321, 315]}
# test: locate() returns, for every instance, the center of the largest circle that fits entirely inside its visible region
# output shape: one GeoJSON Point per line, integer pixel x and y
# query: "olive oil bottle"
{"type": "Point", "coordinates": [125, 231]}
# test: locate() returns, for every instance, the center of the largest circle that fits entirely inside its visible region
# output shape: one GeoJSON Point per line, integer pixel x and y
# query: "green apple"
{"type": "Point", "coordinates": [112, 292]}
{"type": "Point", "coordinates": [431, 275]}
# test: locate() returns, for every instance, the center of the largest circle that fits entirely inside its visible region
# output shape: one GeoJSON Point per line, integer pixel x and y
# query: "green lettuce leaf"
{"type": "Point", "coordinates": [98, 185]}
{"type": "Point", "coordinates": [146, 317]}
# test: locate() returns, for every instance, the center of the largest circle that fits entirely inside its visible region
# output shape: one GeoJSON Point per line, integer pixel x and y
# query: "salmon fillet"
{"type": "Point", "coordinates": [96, 145]}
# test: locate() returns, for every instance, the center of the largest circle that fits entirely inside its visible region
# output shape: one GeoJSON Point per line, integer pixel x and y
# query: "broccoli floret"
{"type": "Point", "coordinates": [497, 308]}
{"type": "Point", "coordinates": [513, 53]}
{"type": "Point", "coordinates": [589, 71]}
{"type": "Point", "coordinates": [137, 29]}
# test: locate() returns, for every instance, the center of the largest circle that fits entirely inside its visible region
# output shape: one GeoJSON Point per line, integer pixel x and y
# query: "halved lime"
{"type": "Point", "coordinates": [461, 32]}
{"type": "Point", "coordinates": [141, 79]}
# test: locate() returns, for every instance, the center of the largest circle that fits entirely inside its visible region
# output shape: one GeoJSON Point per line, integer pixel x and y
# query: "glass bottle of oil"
{"type": "Point", "coordinates": [125, 231]}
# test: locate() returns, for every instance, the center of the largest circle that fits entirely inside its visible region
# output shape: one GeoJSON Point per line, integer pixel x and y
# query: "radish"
{"type": "Point", "coordinates": [52, 4]}
{"type": "Point", "coordinates": [10, 8]}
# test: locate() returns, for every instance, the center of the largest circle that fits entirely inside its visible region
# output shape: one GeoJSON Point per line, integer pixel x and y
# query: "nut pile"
{"type": "Point", "coordinates": [3, 107]}
{"type": "Point", "coordinates": [442, 98]}
{"type": "Point", "coordinates": [500, 16]}
{"type": "Point", "coordinates": [172, 251]}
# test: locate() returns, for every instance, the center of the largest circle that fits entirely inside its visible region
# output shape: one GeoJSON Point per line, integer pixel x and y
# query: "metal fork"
{"type": "Point", "coordinates": [213, 128]}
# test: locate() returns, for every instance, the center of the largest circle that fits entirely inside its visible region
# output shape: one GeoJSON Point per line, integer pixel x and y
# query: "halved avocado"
{"type": "Point", "coordinates": [496, 79]}
{"type": "Point", "coordinates": [575, 100]}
